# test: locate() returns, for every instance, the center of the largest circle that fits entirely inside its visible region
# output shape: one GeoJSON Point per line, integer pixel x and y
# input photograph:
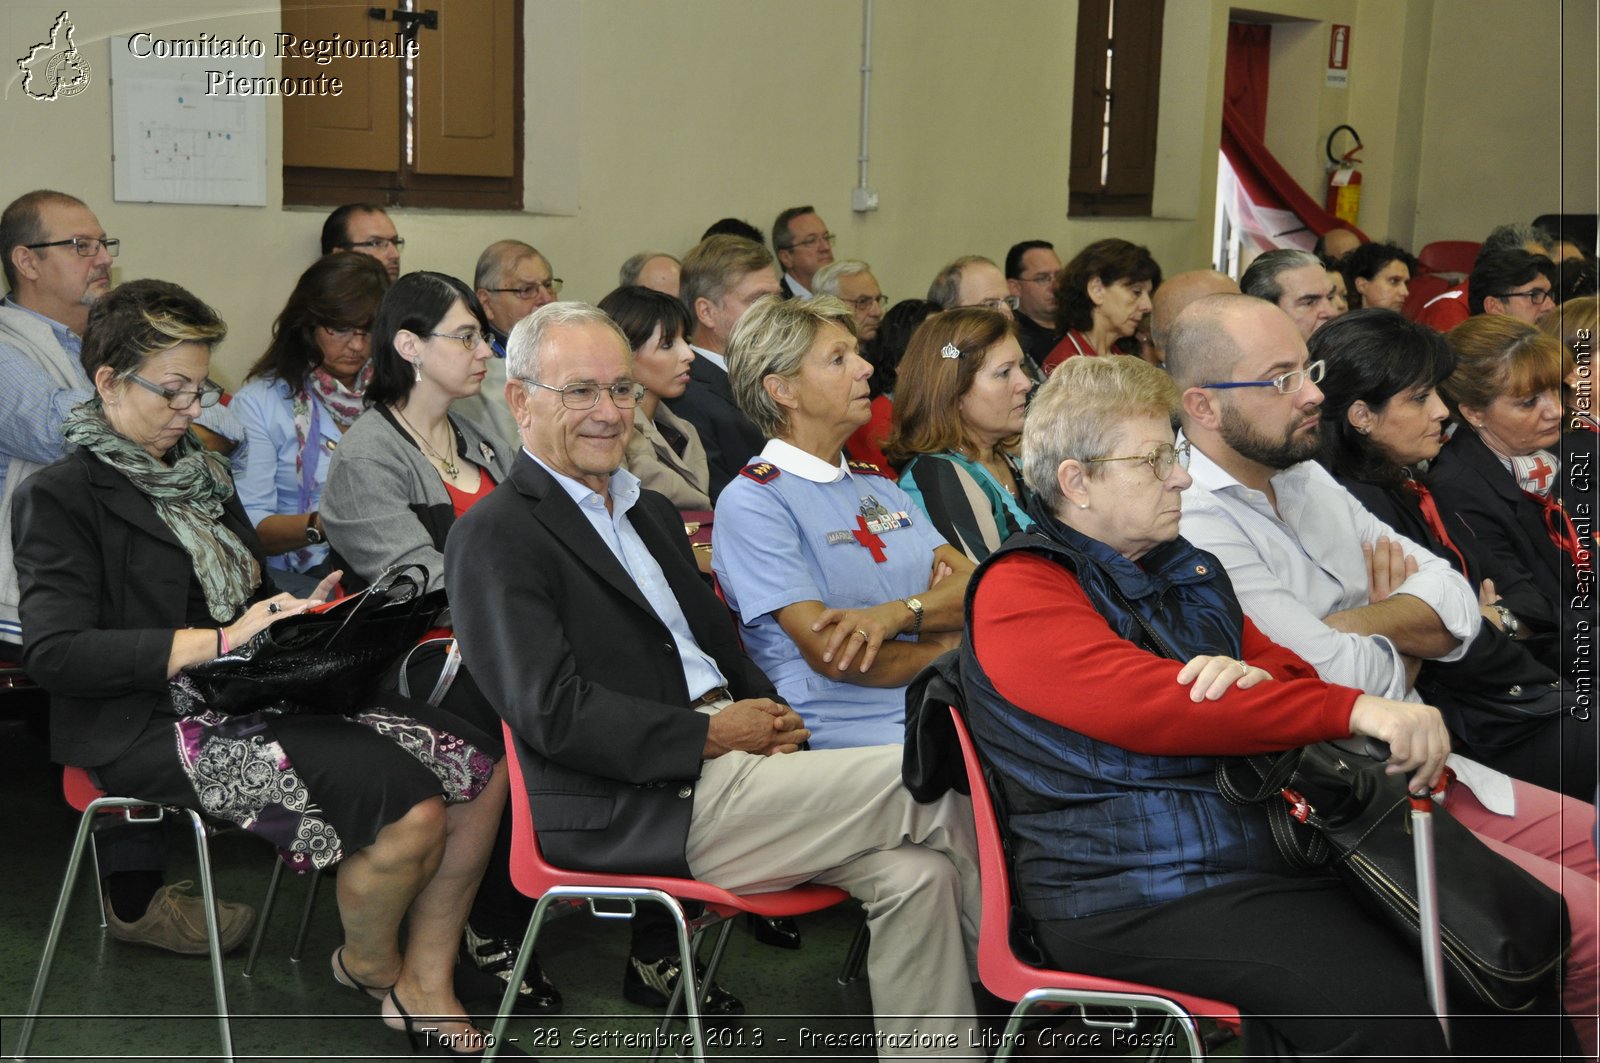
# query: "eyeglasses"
{"type": "Point", "coordinates": [1010, 302]}
{"type": "Point", "coordinates": [813, 240]}
{"type": "Point", "coordinates": [585, 395]}
{"type": "Point", "coordinates": [867, 302]}
{"type": "Point", "coordinates": [1161, 460]}
{"type": "Point", "coordinates": [85, 246]}
{"type": "Point", "coordinates": [1039, 278]}
{"type": "Point", "coordinates": [1287, 384]}
{"type": "Point", "coordinates": [1536, 296]}
{"type": "Point", "coordinates": [553, 286]}
{"type": "Point", "coordinates": [469, 340]}
{"type": "Point", "coordinates": [375, 243]}
{"type": "Point", "coordinates": [346, 333]}
{"type": "Point", "coordinates": [207, 395]}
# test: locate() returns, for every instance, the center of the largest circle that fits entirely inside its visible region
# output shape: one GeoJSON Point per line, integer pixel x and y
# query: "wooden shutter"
{"type": "Point", "coordinates": [360, 129]}
{"type": "Point", "coordinates": [465, 118]}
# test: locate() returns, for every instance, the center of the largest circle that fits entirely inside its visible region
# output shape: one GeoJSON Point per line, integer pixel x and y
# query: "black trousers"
{"type": "Point", "coordinates": [1311, 972]}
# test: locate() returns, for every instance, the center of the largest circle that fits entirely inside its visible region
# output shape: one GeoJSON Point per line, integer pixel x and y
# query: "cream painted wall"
{"type": "Point", "coordinates": [1495, 142]}
{"type": "Point", "coordinates": [649, 120]}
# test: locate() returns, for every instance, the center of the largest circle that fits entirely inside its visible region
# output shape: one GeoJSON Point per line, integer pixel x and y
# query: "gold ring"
{"type": "Point", "coordinates": [864, 635]}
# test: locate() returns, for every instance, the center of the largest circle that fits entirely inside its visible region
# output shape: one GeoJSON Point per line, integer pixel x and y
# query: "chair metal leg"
{"type": "Point", "coordinates": [99, 883]}
{"type": "Point", "coordinates": [688, 989]}
{"type": "Point", "coordinates": [1081, 997]}
{"type": "Point", "coordinates": [305, 915]}
{"type": "Point", "coordinates": [58, 920]}
{"type": "Point", "coordinates": [855, 960]}
{"type": "Point", "coordinates": [261, 920]}
{"type": "Point", "coordinates": [208, 895]}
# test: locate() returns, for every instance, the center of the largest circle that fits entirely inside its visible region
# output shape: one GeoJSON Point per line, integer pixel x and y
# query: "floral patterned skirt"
{"type": "Point", "coordinates": [319, 787]}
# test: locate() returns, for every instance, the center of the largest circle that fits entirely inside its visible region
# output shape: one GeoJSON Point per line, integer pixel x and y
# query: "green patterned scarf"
{"type": "Point", "coordinates": [187, 495]}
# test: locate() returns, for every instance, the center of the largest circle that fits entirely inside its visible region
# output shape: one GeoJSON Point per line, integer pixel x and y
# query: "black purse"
{"type": "Point", "coordinates": [1505, 933]}
{"type": "Point", "coordinates": [327, 660]}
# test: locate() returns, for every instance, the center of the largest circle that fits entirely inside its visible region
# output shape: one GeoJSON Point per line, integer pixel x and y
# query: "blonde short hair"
{"type": "Point", "coordinates": [772, 339]}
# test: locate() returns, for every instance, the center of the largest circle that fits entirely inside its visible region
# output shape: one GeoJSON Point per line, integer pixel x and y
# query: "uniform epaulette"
{"type": "Point", "coordinates": [762, 472]}
{"type": "Point", "coordinates": [866, 468]}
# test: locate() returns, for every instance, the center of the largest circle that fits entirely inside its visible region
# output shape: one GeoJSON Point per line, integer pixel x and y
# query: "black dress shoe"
{"type": "Point", "coordinates": [651, 985]}
{"type": "Point", "coordinates": [497, 957]}
{"type": "Point", "coordinates": [779, 933]}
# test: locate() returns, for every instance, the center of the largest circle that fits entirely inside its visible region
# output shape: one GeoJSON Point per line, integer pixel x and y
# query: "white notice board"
{"type": "Point", "coordinates": [174, 144]}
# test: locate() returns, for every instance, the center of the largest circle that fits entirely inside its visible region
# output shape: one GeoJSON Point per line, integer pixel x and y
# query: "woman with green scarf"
{"type": "Point", "coordinates": [137, 561]}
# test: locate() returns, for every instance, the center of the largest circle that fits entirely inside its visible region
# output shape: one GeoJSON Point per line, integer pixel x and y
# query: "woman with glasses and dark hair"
{"type": "Point", "coordinates": [963, 394]}
{"type": "Point", "coordinates": [403, 474]}
{"type": "Point", "coordinates": [297, 402]}
{"type": "Point", "coordinates": [1102, 295]}
{"type": "Point", "coordinates": [1500, 479]}
{"type": "Point", "coordinates": [664, 451]}
{"type": "Point", "coordinates": [1382, 421]}
{"type": "Point", "coordinates": [137, 561]}
{"type": "Point", "coordinates": [1378, 275]}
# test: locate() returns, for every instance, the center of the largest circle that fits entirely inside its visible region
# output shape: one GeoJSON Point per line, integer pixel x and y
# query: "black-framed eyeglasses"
{"type": "Point", "coordinates": [85, 246]}
{"type": "Point", "coordinates": [1287, 383]}
{"type": "Point", "coordinates": [867, 302]}
{"type": "Point", "coordinates": [1161, 460]}
{"type": "Point", "coordinates": [1536, 296]}
{"type": "Point", "coordinates": [585, 394]}
{"type": "Point", "coordinates": [526, 291]}
{"type": "Point", "coordinates": [375, 243]}
{"type": "Point", "coordinates": [469, 340]}
{"type": "Point", "coordinates": [207, 395]}
{"type": "Point", "coordinates": [813, 240]}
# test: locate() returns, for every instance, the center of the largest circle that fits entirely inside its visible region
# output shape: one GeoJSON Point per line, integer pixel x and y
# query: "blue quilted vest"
{"type": "Point", "coordinates": [1097, 828]}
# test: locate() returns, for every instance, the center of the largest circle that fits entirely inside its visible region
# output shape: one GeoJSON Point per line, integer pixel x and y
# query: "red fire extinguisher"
{"type": "Point", "coordinates": [1344, 180]}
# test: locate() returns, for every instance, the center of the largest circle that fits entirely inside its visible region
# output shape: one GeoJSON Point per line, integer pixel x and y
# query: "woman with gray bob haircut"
{"type": "Point", "coordinates": [1107, 664]}
{"type": "Point", "coordinates": [843, 589]}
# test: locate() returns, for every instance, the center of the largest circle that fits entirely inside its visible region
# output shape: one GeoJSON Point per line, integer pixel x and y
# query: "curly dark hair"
{"type": "Point", "coordinates": [1111, 260]}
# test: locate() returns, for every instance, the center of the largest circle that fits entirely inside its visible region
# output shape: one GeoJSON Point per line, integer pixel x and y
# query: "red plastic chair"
{"type": "Point", "coordinates": [1421, 290]}
{"type": "Point", "coordinates": [1449, 256]}
{"type": "Point", "coordinates": [535, 877]}
{"type": "Point", "coordinates": [82, 794]}
{"type": "Point", "coordinates": [1007, 977]}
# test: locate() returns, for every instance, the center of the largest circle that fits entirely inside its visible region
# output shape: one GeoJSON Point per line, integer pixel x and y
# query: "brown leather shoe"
{"type": "Point", "coordinates": [175, 921]}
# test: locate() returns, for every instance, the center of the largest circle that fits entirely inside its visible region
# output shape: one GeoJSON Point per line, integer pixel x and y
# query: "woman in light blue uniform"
{"type": "Point", "coordinates": [843, 589]}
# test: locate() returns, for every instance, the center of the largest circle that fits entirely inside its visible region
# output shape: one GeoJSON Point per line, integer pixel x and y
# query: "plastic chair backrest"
{"type": "Point", "coordinates": [1420, 290]}
{"type": "Point", "coordinates": [1449, 256]}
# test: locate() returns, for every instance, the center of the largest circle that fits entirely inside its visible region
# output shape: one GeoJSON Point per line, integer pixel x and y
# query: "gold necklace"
{"type": "Point", "coordinates": [451, 469]}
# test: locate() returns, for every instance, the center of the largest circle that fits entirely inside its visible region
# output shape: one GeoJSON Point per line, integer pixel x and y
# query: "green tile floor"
{"type": "Point", "coordinates": [109, 1000]}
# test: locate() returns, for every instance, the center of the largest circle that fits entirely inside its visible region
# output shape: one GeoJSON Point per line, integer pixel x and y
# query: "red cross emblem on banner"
{"type": "Point", "coordinates": [1540, 473]}
{"type": "Point", "coordinates": [866, 537]}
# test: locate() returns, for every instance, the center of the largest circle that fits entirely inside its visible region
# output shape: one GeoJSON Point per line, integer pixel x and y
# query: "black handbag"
{"type": "Point", "coordinates": [1505, 933]}
{"type": "Point", "coordinates": [328, 660]}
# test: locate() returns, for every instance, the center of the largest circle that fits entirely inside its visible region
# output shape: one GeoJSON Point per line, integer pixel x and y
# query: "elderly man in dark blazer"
{"type": "Point", "coordinates": [650, 743]}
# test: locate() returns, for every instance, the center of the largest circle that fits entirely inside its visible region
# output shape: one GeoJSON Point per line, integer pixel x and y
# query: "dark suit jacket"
{"type": "Point", "coordinates": [104, 585]}
{"type": "Point", "coordinates": [569, 652]}
{"type": "Point", "coordinates": [1472, 488]}
{"type": "Point", "coordinates": [731, 439]}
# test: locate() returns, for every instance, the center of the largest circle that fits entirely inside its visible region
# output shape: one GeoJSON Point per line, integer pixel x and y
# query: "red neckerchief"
{"type": "Point", "coordinates": [1559, 527]}
{"type": "Point", "coordinates": [1435, 523]}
